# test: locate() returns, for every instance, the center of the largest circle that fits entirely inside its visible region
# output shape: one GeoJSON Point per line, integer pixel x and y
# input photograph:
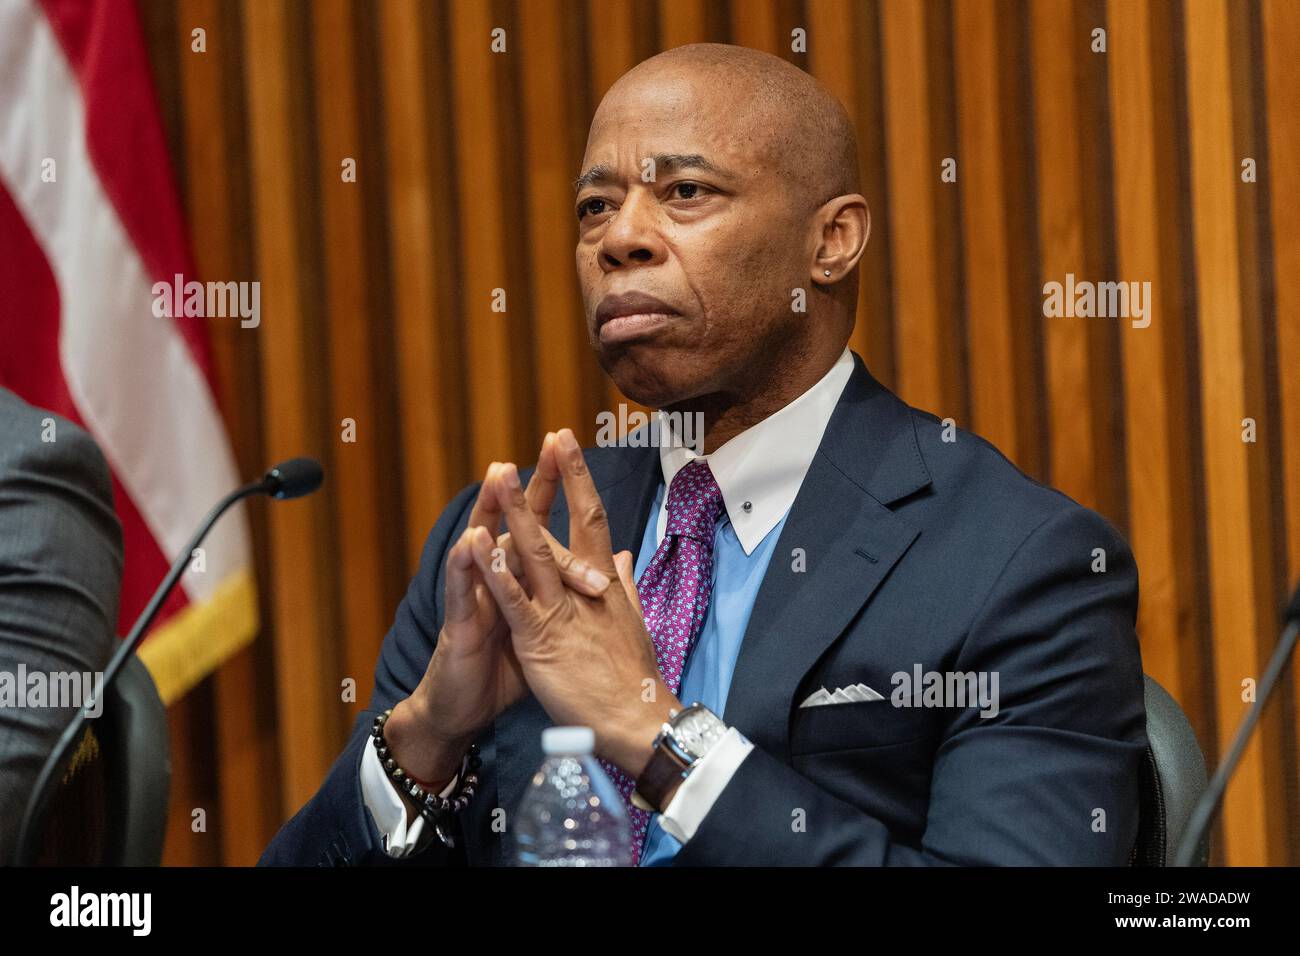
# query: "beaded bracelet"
{"type": "Point", "coordinates": [434, 808]}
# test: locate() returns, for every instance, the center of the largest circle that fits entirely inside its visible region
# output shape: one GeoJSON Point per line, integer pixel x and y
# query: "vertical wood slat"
{"type": "Point", "coordinates": [835, 35]}
{"type": "Point", "coordinates": [1230, 380]}
{"type": "Point", "coordinates": [347, 308]}
{"type": "Point", "coordinates": [682, 22]}
{"type": "Point", "coordinates": [928, 374]}
{"type": "Point", "coordinates": [831, 38]}
{"type": "Point", "coordinates": [1159, 446]}
{"type": "Point", "coordinates": [420, 354]}
{"type": "Point", "coordinates": [246, 755]}
{"type": "Point", "coordinates": [306, 719]}
{"type": "Point", "coordinates": [496, 431]}
{"type": "Point", "coordinates": [875, 334]}
{"type": "Point", "coordinates": [1281, 28]}
{"type": "Point", "coordinates": [1259, 346]}
{"type": "Point", "coordinates": [1281, 20]}
{"type": "Point", "coordinates": [757, 24]}
{"type": "Point", "coordinates": [991, 171]}
{"type": "Point", "coordinates": [612, 49]}
{"type": "Point", "coordinates": [180, 848]}
{"type": "Point", "coordinates": [1079, 383]}
{"type": "Point", "coordinates": [561, 352]}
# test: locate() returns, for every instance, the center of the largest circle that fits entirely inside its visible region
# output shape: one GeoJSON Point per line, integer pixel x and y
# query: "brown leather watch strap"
{"type": "Point", "coordinates": [661, 775]}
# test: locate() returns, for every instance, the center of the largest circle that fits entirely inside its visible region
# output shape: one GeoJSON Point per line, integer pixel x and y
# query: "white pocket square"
{"type": "Point", "coordinates": [841, 695]}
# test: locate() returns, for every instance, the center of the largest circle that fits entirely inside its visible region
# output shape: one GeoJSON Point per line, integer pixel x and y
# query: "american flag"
{"type": "Point", "coordinates": [89, 221]}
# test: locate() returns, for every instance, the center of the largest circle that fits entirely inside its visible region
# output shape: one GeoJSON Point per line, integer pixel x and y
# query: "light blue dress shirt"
{"type": "Point", "coordinates": [706, 678]}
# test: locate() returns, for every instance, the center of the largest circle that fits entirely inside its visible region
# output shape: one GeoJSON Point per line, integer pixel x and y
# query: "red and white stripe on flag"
{"type": "Point", "coordinates": [89, 220]}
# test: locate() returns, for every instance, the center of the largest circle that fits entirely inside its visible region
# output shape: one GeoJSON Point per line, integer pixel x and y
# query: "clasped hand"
{"type": "Point", "coordinates": [524, 613]}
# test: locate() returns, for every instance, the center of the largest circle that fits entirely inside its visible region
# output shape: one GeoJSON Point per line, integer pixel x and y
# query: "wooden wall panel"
{"type": "Point", "coordinates": [1231, 365]}
{"type": "Point", "coordinates": [687, 21]}
{"type": "Point", "coordinates": [568, 384]}
{"type": "Point", "coordinates": [757, 24]}
{"type": "Point", "coordinates": [1121, 166]}
{"type": "Point", "coordinates": [1149, 221]}
{"type": "Point", "coordinates": [1082, 460]}
{"type": "Point", "coordinates": [837, 30]}
{"type": "Point", "coordinates": [423, 344]}
{"type": "Point", "coordinates": [1281, 41]}
{"type": "Point", "coordinates": [216, 198]}
{"type": "Point", "coordinates": [497, 429]}
{"type": "Point", "coordinates": [307, 719]}
{"type": "Point", "coordinates": [349, 307]}
{"type": "Point", "coordinates": [929, 373]}
{"type": "Point", "coordinates": [1002, 322]}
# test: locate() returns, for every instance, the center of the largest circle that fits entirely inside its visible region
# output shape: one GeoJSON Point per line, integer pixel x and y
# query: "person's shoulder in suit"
{"type": "Point", "coordinates": [38, 442]}
{"type": "Point", "coordinates": [60, 575]}
{"type": "Point", "coordinates": [58, 493]}
{"type": "Point", "coordinates": [964, 464]}
{"type": "Point", "coordinates": [1042, 579]}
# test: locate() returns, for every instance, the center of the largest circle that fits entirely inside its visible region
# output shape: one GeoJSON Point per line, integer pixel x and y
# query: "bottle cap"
{"type": "Point", "coordinates": [574, 741]}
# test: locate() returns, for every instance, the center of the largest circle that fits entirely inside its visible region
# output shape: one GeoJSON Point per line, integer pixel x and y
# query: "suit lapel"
{"type": "Point", "coordinates": [627, 481]}
{"type": "Point", "coordinates": [850, 541]}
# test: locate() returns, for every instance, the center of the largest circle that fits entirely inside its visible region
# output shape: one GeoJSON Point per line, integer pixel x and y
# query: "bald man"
{"type": "Point", "coordinates": [831, 631]}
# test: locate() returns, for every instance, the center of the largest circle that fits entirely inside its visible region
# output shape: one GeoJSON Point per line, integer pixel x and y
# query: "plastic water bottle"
{"type": "Point", "coordinates": [572, 814]}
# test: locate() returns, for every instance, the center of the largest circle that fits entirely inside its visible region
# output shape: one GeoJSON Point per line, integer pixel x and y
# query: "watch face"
{"type": "Point", "coordinates": [697, 729]}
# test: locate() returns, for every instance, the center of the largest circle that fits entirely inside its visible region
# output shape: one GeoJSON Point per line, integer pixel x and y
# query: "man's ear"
{"type": "Point", "coordinates": [844, 226]}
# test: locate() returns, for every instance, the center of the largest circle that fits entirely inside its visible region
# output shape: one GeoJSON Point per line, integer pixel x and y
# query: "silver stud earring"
{"type": "Point", "coordinates": [827, 273]}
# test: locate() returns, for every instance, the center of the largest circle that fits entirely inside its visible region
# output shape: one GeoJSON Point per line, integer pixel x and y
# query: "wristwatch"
{"type": "Point", "coordinates": [684, 738]}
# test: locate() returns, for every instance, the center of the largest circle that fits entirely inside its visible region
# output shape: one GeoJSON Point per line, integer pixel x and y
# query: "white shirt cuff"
{"type": "Point", "coordinates": [703, 785]}
{"type": "Point", "coordinates": [387, 808]}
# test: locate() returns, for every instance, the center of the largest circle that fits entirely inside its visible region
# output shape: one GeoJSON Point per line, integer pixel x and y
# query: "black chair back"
{"type": "Point", "coordinates": [137, 755]}
{"type": "Point", "coordinates": [1173, 779]}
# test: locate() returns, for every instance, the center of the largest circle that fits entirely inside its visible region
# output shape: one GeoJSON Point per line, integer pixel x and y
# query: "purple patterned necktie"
{"type": "Point", "coordinates": [674, 591]}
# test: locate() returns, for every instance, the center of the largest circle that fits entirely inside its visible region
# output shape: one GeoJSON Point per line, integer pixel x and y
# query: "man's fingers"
{"type": "Point", "coordinates": [626, 566]}
{"type": "Point", "coordinates": [486, 512]}
{"type": "Point", "coordinates": [506, 546]}
{"type": "Point", "coordinates": [544, 482]}
{"type": "Point", "coordinates": [460, 580]}
{"type": "Point", "coordinates": [506, 592]}
{"type": "Point", "coordinates": [577, 573]}
{"type": "Point", "coordinates": [588, 524]}
{"type": "Point", "coordinates": [529, 543]}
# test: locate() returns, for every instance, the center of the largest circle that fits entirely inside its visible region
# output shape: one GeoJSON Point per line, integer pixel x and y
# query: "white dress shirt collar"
{"type": "Point", "coordinates": [764, 466]}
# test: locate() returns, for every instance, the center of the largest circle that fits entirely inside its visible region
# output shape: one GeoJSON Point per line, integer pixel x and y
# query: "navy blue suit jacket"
{"type": "Point", "coordinates": [916, 551]}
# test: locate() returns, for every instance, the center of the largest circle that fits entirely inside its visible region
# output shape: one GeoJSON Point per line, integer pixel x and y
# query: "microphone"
{"type": "Point", "coordinates": [1203, 813]}
{"type": "Point", "coordinates": [289, 479]}
{"type": "Point", "coordinates": [293, 478]}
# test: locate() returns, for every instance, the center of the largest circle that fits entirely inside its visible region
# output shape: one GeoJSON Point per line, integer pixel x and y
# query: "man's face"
{"type": "Point", "coordinates": [715, 238]}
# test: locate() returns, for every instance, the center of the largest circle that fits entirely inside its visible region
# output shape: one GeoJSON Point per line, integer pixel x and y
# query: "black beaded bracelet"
{"type": "Point", "coordinates": [434, 808]}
